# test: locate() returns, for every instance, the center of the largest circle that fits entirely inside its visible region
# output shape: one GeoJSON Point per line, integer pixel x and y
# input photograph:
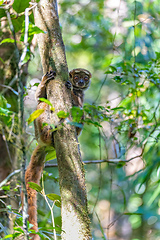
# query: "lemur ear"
{"type": "Point", "coordinates": [70, 74]}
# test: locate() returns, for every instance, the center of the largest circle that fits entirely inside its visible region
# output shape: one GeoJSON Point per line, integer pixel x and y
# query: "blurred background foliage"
{"type": "Point", "coordinates": [119, 42]}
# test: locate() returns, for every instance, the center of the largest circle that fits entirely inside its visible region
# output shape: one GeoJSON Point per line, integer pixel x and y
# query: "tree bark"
{"type": "Point", "coordinates": [75, 220]}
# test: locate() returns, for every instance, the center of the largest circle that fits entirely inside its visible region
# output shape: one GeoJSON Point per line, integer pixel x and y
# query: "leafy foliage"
{"type": "Point", "coordinates": [35, 115]}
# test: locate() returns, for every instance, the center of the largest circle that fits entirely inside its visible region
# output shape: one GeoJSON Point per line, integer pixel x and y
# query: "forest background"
{"type": "Point", "coordinates": [119, 42]}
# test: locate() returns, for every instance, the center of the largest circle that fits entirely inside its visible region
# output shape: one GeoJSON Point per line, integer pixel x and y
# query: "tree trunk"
{"type": "Point", "coordinates": [75, 220]}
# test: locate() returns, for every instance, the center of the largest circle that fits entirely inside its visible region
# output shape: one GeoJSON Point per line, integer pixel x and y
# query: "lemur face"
{"type": "Point", "coordinates": [80, 78]}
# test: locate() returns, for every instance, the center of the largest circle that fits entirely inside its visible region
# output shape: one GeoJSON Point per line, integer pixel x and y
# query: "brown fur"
{"type": "Point", "coordinates": [33, 174]}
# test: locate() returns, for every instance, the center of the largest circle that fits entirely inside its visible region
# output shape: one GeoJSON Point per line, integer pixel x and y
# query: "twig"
{"type": "Point", "coordinates": [100, 90]}
{"type": "Point", "coordinates": [51, 209]}
{"type": "Point", "coordinates": [114, 221]}
{"type": "Point", "coordinates": [11, 83]}
{"type": "Point", "coordinates": [100, 173]}
{"type": "Point", "coordinates": [9, 176]}
{"type": "Point", "coordinates": [26, 34]}
{"type": "Point", "coordinates": [114, 161]}
{"type": "Point", "coordinates": [5, 86]}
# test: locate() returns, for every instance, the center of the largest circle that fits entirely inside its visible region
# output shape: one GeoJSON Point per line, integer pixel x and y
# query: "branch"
{"type": "Point", "coordinates": [8, 87]}
{"type": "Point", "coordinates": [8, 177]}
{"type": "Point", "coordinates": [114, 161]}
{"type": "Point", "coordinates": [26, 34]}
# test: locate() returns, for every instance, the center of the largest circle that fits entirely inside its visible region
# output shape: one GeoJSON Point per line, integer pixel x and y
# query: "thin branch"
{"type": "Point", "coordinates": [9, 176]}
{"type": "Point", "coordinates": [110, 197]}
{"type": "Point", "coordinates": [26, 34]}
{"type": "Point", "coordinates": [100, 90]}
{"type": "Point", "coordinates": [114, 161]}
{"type": "Point", "coordinates": [100, 173]}
{"type": "Point", "coordinates": [5, 86]}
{"type": "Point", "coordinates": [11, 83]}
{"type": "Point", "coordinates": [51, 209]}
{"type": "Point", "coordinates": [114, 221]}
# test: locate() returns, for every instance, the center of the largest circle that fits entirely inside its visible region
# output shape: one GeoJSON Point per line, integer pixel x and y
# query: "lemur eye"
{"type": "Point", "coordinates": [86, 78]}
{"type": "Point", "coordinates": [76, 78]}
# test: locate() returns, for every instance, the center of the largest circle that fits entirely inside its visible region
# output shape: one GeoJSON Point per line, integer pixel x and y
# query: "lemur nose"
{"type": "Point", "coordinates": [81, 82]}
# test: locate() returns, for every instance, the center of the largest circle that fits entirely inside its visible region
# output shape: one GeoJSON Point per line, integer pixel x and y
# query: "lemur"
{"type": "Point", "coordinates": [79, 80]}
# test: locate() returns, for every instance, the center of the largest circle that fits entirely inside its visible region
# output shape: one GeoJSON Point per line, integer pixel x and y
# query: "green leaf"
{"type": "Point", "coordinates": [9, 236]}
{"type": "Point", "coordinates": [154, 195]}
{"type": "Point", "coordinates": [35, 115]}
{"type": "Point", "coordinates": [3, 102]}
{"type": "Point", "coordinates": [51, 155]}
{"type": "Point", "coordinates": [44, 125]}
{"type": "Point", "coordinates": [9, 207]}
{"type": "Point", "coordinates": [7, 40]}
{"type": "Point", "coordinates": [62, 114]}
{"type": "Point", "coordinates": [2, 60]}
{"type": "Point", "coordinates": [118, 79]}
{"type": "Point", "coordinates": [7, 188]}
{"type": "Point", "coordinates": [5, 112]}
{"type": "Point", "coordinates": [46, 101]}
{"type": "Point", "coordinates": [58, 204]}
{"type": "Point", "coordinates": [89, 121]}
{"type": "Point", "coordinates": [41, 212]}
{"type": "Point", "coordinates": [20, 6]}
{"type": "Point", "coordinates": [120, 164]}
{"type": "Point", "coordinates": [36, 84]}
{"type": "Point", "coordinates": [2, 12]}
{"type": "Point", "coordinates": [18, 229]}
{"type": "Point", "coordinates": [35, 186]}
{"type": "Point", "coordinates": [157, 55]}
{"type": "Point", "coordinates": [53, 197]}
{"type": "Point", "coordinates": [17, 23]}
{"type": "Point", "coordinates": [32, 30]}
{"type": "Point", "coordinates": [118, 108]}
{"type": "Point", "coordinates": [110, 70]}
{"type": "Point", "coordinates": [6, 116]}
{"type": "Point", "coordinates": [77, 114]}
